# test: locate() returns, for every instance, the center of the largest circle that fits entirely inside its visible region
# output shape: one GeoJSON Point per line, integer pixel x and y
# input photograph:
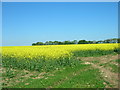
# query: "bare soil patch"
{"type": "Point", "coordinates": [20, 76]}
{"type": "Point", "coordinates": [102, 59]}
{"type": "Point", "coordinates": [107, 75]}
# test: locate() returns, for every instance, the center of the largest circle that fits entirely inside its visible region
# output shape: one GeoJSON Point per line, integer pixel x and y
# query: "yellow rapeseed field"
{"type": "Point", "coordinates": [49, 56]}
{"type": "Point", "coordinates": [51, 51]}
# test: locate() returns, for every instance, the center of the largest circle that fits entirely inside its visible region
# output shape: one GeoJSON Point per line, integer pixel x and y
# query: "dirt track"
{"type": "Point", "coordinates": [106, 73]}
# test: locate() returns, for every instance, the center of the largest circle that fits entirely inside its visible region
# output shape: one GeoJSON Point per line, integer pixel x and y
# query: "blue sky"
{"type": "Point", "coordinates": [28, 22]}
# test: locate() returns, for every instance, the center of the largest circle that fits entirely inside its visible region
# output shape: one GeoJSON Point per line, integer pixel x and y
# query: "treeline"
{"type": "Point", "coordinates": [114, 40]}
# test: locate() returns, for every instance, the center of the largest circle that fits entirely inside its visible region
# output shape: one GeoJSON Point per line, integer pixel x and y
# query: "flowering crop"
{"type": "Point", "coordinates": [48, 57]}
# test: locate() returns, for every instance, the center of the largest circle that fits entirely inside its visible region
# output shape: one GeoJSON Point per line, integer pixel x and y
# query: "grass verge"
{"type": "Point", "coordinates": [80, 76]}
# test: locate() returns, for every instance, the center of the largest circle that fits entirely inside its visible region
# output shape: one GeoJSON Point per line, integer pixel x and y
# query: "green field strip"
{"type": "Point", "coordinates": [44, 83]}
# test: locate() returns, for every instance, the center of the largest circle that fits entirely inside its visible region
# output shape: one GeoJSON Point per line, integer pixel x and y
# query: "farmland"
{"type": "Point", "coordinates": [60, 66]}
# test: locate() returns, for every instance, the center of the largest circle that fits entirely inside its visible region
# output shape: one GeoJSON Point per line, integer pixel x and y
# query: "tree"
{"type": "Point", "coordinates": [33, 44]}
{"type": "Point", "coordinates": [60, 43]}
{"type": "Point", "coordinates": [82, 42]}
{"type": "Point", "coordinates": [113, 40]}
{"type": "Point", "coordinates": [46, 43]}
{"type": "Point", "coordinates": [55, 42]}
{"type": "Point", "coordinates": [89, 42]}
{"type": "Point", "coordinates": [50, 42]}
{"type": "Point", "coordinates": [39, 43]}
{"type": "Point", "coordinates": [66, 42]}
{"type": "Point", "coordinates": [118, 40]}
{"type": "Point", "coordinates": [74, 42]}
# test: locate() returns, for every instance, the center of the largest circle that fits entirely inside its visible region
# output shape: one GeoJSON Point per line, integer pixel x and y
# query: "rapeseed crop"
{"type": "Point", "coordinates": [49, 57]}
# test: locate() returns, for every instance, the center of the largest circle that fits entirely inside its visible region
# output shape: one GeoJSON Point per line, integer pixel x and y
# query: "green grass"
{"type": "Point", "coordinates": [39, 65]}
{"type": "Point", "coordinates": [93, 53]}
{"type": "Point", "coordinates": [49, 65]}
{"type": "Point", "coordinates": [118, 61]}
{"type": "Point", "coordinates": [87, 79]}
{"type": "Point", "coordinates": [67, 73]}
{"type": "Point", "coordinates": [80, 76]}
{"type": "Point", "coordinates": [95, 62]}
{"type": "Point", "coordinates": [114, 68]}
